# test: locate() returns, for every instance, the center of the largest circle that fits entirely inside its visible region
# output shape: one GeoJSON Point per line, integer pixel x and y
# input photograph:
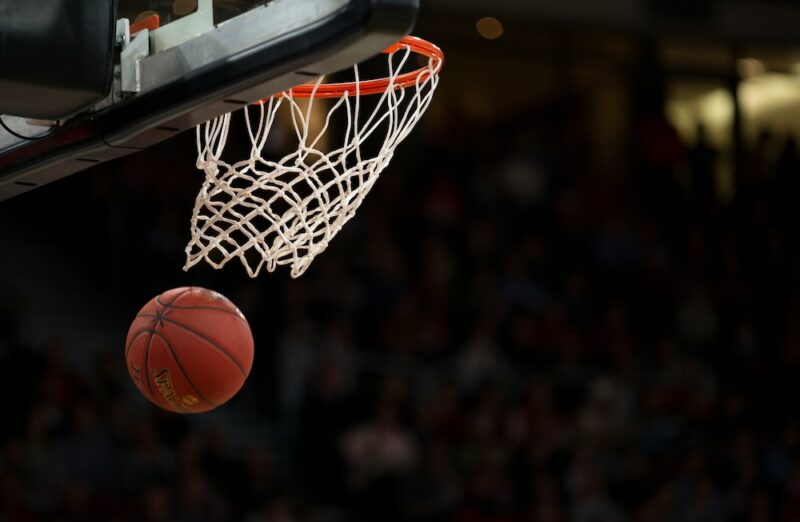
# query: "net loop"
{"type": "Point", "coordinates": [273, 212]}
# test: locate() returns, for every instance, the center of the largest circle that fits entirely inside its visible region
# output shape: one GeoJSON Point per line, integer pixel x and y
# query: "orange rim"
{"type": "Point", "coordinates": [379, 86]}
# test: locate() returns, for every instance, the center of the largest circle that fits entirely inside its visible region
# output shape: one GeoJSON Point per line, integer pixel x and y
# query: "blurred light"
{"type": "Point", "coordinates": [770, 100]}
{"type": "Point", "coordinates": [716, 108]}
{"type": "Point", "coordinates": [489, 28]}
{"type": "Point", "coordinates": [774, 97]}
{"type": "Point", "coordinates": [750, 67]}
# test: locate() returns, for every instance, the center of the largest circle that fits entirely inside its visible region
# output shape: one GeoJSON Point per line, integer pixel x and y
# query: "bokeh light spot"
{"type": "Point", "coordinates": [489, 28]}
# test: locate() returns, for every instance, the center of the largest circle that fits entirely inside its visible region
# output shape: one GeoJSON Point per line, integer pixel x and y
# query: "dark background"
{"type": "Point", "coordinates": [574, 295]}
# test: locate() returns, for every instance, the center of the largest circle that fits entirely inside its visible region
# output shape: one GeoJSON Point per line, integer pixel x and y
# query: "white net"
{"type": "Point", "coordinates": [268, 213]}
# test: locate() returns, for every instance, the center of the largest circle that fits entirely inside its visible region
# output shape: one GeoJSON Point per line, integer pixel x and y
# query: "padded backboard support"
{"type": "Point", "coordinates": [56, 57]}
{"type": "Point", "coordinates": [256, 54]}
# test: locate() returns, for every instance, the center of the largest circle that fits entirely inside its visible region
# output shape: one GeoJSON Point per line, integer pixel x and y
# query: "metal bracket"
{"type": "Point", "coordinates": [130, 62]}
{"type": "Point", "coordinates": [123, 32]}
{"type": "Point", "coordinates": [184, 29]}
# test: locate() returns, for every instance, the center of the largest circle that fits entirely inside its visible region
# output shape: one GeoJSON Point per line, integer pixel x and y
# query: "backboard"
{"type": "Point", "coordinates": [181, 63]}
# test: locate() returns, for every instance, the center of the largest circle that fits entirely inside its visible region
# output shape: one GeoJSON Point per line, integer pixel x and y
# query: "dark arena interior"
{"type": "Point", "coordinates": [573, 296]}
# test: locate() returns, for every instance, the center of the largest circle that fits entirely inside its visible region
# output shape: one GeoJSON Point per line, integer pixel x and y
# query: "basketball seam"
{"type": "Point", "coordinates": [183, 370]}
{"type": "Point", "coordinates": [186, 291]}
{"type": "Point", "coordinates": [171, 304]}
{"type": "Point", "coordinates": [147, 367]}
{"type": "Point", "coordinates": [206, 339]}
{"type": "Point", "coordinates": [214, 308]}
{"type": "Point", "coordinates": [133, 339]}
{"type": "Point", "coordinates": [182, 293]}
{"type": "Point", "coordinates": [152, 332]}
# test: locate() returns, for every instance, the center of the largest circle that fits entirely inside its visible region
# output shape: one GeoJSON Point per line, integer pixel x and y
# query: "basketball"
{"type": "Point", "coordinates": [189, 350]}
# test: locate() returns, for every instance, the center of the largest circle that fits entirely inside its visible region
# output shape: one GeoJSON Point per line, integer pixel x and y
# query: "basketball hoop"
{"type": "Point", "coordinates": [270, 213]}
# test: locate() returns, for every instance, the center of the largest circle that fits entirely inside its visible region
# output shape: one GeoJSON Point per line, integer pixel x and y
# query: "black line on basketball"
{"type": "Point", "coordinates": [181, 293]}
{"type": "Point", "coordinates": [209, 341]}
{"type": "Point", "coordinates": [214, 308]}
{"type": "Point", "coordinates": [157, 318]}
{"type": "Point", "coordinates": [165, 306]}
{"type": "Point", "coordinates": [149, 316]}
{"type": "Point", "coordinates": [183, 370]}
{"type": "Point", "coordinates": [133, 339]}
{"type": "Point", "coordinates": [173, 303]}
{"type": "Point", "coordinates": [147, 367]}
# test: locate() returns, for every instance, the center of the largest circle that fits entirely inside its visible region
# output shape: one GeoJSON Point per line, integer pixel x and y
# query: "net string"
{"type": "Point", "coordinates": [268, 213]}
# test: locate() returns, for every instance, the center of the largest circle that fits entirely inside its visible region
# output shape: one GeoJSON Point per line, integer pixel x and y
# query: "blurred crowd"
{"type": "Point", "coordinates": [506, 332]}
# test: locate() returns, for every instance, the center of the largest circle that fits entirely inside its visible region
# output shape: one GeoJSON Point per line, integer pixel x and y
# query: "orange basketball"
{"type": "Point", "coordinates": [189, 350]}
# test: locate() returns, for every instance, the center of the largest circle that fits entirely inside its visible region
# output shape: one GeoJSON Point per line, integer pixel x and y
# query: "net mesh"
{"type": "Point", "coordinates": [268, 213]}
